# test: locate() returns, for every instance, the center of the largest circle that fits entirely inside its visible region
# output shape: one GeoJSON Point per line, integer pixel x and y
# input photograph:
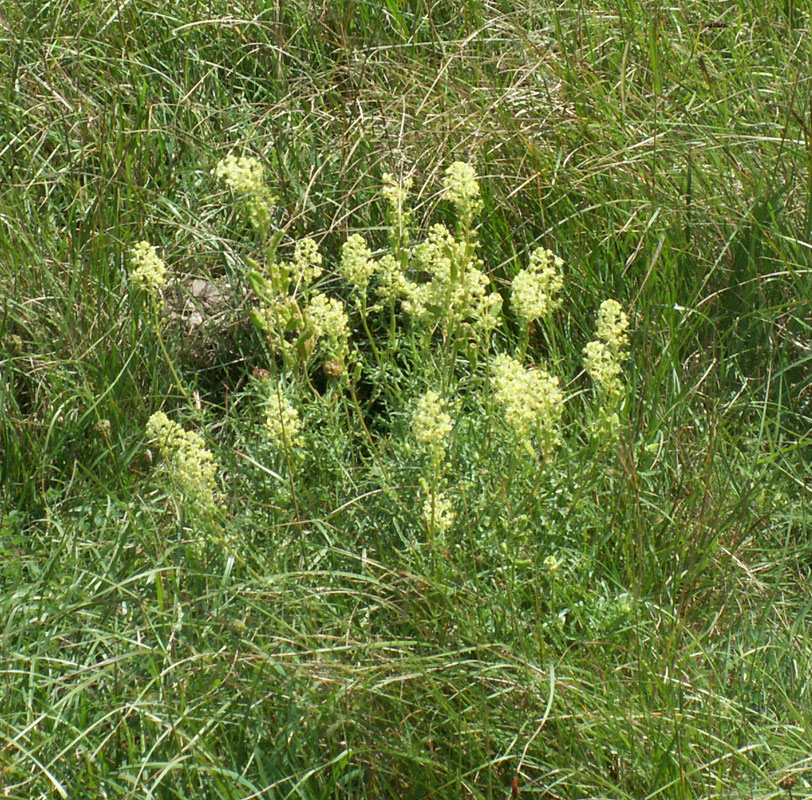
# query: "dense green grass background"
{"type": "Point", "coordinates": [665, 152]}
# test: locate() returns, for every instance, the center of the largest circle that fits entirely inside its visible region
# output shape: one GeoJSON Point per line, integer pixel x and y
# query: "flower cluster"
{"type": "Point", "coordinates": [274, 317]}
{"type": "Point", "coordinates": [462, 189]}
{"type": "Point", "coordinates": [392, 282]}
{"type": "Point", "coordinates": [603, 368]}
{"type": "Point", "coordinates": [456, 292]}
{"type": "Point", "coordinates": [458, 289]}
{"type": "Point", "coordinates": [534, 290]}
{"type": "Point", "coordinates": [328, 319]}
{"type": "Point", "coordinates": [192, 465]}
{"type": "Point", "coordinates": [294, 317]}
{"type": "Point", "coordinates": [149, 271]}
{"type": "Point", "coordinates": [357, 264]}
{"type": "Point", "coordinates": [395, 192]}
{"type": "Point", "coordinates": [307, 260]}
{"type": "Point", "coordinates": [242, 174]}
{"type": "Point", "coordinates": [612, 326]}
{"type": "Point", "coordinates": [246, 176]}
{"type": "Point", "coordinates": [282, 423]}
{"type": "Point", "coordinates": [604, 357]}
{"type": "Point", "coordinates": [432, 424]}
{"type": "Point", "coordinates": [531, 400]}
{"type": "Point", "coordinates": [438, 511]}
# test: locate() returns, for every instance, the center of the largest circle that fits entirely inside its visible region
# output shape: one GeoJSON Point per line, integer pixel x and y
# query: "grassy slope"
{"type": "Point", "coordinates": [664, 152]}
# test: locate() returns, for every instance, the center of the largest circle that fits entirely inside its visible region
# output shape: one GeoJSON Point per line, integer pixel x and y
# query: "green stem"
{"type": "Point", "coordinates": [169, 362]}
{"type": "Point", "coordinates": [524, 340]}
{"type": "Point", "coordinates": [375, 351]}
{"type": "Point", "coordinates": [368, 435]}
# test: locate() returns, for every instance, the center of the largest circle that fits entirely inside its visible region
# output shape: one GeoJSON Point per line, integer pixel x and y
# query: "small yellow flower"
{"type": "Point", "coordinates": [242, 174]}
{"type": "Point", "coordinates": [392, 283]}
{"type": "Point", "coordinates": [438, 512]}
{"type": "Point", "coordinates": [307, 261]}
{"type": "Point", "coordinates": [612, 326]}
{"type": "Point", "coordinates": [462, 189]}
{"type": "Point", "coordinates": [534, 289]}
{"type": "Point", "coordinates": [328, 319]}
{"type": "Point", "coordinates": [432, 424]}
{"type": "Point", "coordinates": [283, 425]}
{"type": "Point", "coordinates": [357, 264]}
{"type": "Point", "coordinates": [458, 289]}
{"type": "Point", "coordinates": [275, 318]}
{"type": "Point", "coordinates": [603, 367]}
{"type": "Point", "coordinates": [246, 176]}
{"type": "Point", "coordinates": [531, 401]}
{"type": "Point", "coordinates": [604, 357]}
{"type": "Point", "coordinates": [191, 464]}
{"type": "Point", "coordinates": [149, 271]}
{"type": "Point", "coordinates": [396, 194]}
{"type": "Point", "coordinates": [396, 191]}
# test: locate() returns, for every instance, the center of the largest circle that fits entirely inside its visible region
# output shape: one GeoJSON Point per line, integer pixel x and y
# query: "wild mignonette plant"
{"type": "Point", "coordinates": [432, 426]}
{"type": "Point", "coordinates": [603, 360]}
{"type": "Point", "coordinates": [190, 466]}
{"type": "Point", "coordinates": [148, 269]}
{"type": "Point", "coordinates": [419, 318]}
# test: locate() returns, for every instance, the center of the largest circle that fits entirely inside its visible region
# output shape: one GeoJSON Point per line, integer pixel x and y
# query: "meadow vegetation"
{"type": "Point", "coordinates": [405, 399]}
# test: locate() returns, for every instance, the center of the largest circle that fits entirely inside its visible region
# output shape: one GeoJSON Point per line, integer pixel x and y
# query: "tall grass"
{"type": "Point", "coordinates": [312, 647]}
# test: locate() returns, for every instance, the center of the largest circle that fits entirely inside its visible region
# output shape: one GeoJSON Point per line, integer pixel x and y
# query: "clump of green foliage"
{"type": "Point", "coordinates": [430, 331]}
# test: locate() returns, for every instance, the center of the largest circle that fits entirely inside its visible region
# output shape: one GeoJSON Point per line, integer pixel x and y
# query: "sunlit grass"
{"type": "Point", "coordinates": [630, 621]}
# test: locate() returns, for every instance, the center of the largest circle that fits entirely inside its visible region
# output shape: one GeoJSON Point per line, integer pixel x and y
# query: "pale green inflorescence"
{"type": "Point", "coordinates": [462, 189]}
{"type": "Point", "coordinates": [456, 292]}
{"type": "Point", "coordinates": [357, 264]}
{"type": "Point", "coordinates": [603, 367]}
{"type": "Point", "coordinates": [552, 564]}
{"type": "Point", "coordinates": [612, 326]}
{"type": "Point", "coordinates": [242, 174]}
{"type": "Point", "coordinates": [149, 271]}
{"type": "Point", "coordinates": [191, 464]}
{"type": "Point", "coordinates": [307, 260]}
{"type": "Point", "coordinates": [245, 175]}
{"type": "Point", "coordinates": [284, 289]}
{"type": "Point", "coordinates": [438, 512]}
{"type": "Point", "coordinates": [396, 192]}
{"type": "Point", "coordinates": [392, 282]}
{"type": "Point", "coordinates": [458, 289]}
{"type": "Point", "coordinates": [604, 357]}
{"type": "Point", "coordinates": [283, 426]}
{"type": "Point", "coordinates": [534, 290]}
{"type": "Point", "coordinates": [273, 317]}
{"type": "Point", "coordinates": [328, 320]}
{"type": "Point", "coordinates": [432, 424]}
{"type": "Point", "coordinates": [531, 400]}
